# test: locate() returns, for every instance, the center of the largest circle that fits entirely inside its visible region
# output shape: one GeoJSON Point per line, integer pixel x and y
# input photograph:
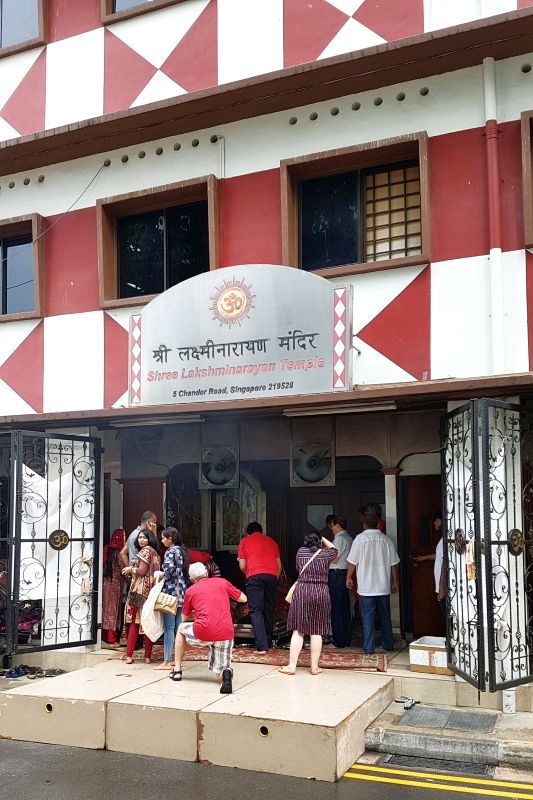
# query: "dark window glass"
{"type": "Point", "coordinates": [17, 275]}
{"type": "Point", "coordinates": [329, 221]}
{"type": "Point", "coordinates": [122, 5]}
{"type": "Point", "coordinates": [188, 243]}
{"type": "Point", "coordinates": [19, 21]}
{"type": "Point", "coordinates": [141, 245]}
{"type": "Point", "coordinates": [158, 249]}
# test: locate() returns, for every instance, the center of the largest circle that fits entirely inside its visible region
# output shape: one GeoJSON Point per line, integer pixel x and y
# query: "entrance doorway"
{"type": "Point", "coordinates": [422, 499]}
{"type": "Point", "coordinates": [359, 482]}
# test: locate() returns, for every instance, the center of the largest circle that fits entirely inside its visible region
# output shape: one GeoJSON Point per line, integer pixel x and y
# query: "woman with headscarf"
{"type": "Point", "coordinates": [112, 589]}
{"type": "Point", "coordinates": [142, 579]}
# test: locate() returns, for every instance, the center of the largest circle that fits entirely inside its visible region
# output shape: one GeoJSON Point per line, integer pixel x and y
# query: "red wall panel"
{"type": "Point", "coordinates": [71, 264]}
{"type": "Point", "coordinates": [70, 17]}
{"type": "Point", "coordinates": [458, 195]}
{"type": "Point", "coordinates": [250, 219]}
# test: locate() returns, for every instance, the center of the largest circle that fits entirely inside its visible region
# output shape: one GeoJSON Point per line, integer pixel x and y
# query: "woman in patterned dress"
{"type": "Point", "coordinates": [175, 568]}
{"type": "Point", "coordinates": [310, 610]}
{"type": "Point", "coordinates": [112, 588]}
{"type": "Point", "coordinates": [142, 579]}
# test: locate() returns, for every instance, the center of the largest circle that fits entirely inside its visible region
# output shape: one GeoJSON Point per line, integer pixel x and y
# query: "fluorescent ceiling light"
{"type": "Point", "coordinates": [341, 408]}
{"type": "Point", "coordinates": [142, 422]}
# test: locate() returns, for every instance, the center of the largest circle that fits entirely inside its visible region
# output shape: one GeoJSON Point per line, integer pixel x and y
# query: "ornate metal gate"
{"type": "Point", "coordinates": [49, 539]}
{"type": "Point", "coordinates": [487, 473]}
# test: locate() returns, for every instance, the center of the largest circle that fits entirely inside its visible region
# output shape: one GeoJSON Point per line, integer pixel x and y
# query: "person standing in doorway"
{"type": "Point", "coordinates": [341, 617]}
{"type": "Point", "coordinates": [374, 556]}
{"type": "Point", "coordinates": [128, 554]}
{"type": "Point", "coordinates": [260, 561]}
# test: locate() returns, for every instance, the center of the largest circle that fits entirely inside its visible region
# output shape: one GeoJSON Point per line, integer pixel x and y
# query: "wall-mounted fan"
{"type": "Point", "coordinates": [312, 463]}
{"type": "Point", "coordinates": [219, 468]}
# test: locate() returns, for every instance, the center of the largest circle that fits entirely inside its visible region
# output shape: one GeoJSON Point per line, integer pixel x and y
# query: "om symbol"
{"type": "Point", "coordinates": [231, 303]}
{"type": "Point", "coordinates": [58, 539]}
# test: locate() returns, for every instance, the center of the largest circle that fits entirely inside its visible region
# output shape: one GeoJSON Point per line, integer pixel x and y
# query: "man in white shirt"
{"type": "Point", "coordinates": [128, 553]}
{"type": "Point", "coordinates": [341, 616]}
{"type": "Point", "coordinates": [374, 556]}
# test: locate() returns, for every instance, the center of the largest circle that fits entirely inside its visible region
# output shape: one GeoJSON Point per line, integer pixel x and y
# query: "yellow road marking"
{"type": "Point", "coordinates": [439, 786]}
{"type": "Point", "coordinates": [441, 777]}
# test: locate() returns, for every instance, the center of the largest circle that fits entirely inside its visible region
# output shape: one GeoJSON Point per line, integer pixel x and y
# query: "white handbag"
{"type": "Point", "coordinates": [290, 593]}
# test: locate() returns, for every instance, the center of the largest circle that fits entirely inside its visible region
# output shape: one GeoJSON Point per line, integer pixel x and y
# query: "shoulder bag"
{"type": "Point", "coordinates": [290, 593]}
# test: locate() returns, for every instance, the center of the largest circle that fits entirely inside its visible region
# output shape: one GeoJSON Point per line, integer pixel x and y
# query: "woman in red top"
{"type": "Point", "coordinates": [142, 579]}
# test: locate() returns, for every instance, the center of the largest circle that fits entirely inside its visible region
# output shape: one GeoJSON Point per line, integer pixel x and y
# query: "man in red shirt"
{"type": "Point", "coordinates": [259, 559]}
{"type": "Point", "coordinates": [207, 602]}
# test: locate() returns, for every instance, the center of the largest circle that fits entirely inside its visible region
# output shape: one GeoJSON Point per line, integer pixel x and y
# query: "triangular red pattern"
{"type": "Point", "coordinates": [401, 332]}
{"type": "Point", "coordinates": [25, 108]}
{"type": "Point", "coordinates": [115, 361]}
{"type": "Point", "coordinates": [392, 20]}
{"type": "Point", "coordinates": [524, 4]}
{"type": "Point", "coordinates": [23, 371]}
{"type": "Point", "coordinates": [126, 73]}
{"type": "Point", "coordinates": [194, 62]}
{"type": "Point", "coordinates": [308, 28]}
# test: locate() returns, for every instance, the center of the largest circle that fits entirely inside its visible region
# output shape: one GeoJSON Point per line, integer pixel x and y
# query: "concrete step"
{"type": "Point", "coordinates": [301, 725]}
{"type": "Point", "coordinates": [506, 740]}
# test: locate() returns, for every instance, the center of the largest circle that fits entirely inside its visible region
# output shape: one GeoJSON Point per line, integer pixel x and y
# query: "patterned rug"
{"type": "Point", "coordinates": [277, 658]}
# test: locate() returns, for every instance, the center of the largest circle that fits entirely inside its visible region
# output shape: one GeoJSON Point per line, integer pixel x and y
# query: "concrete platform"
{"type": "Point", "coordinates": [169, 711]}
{"type": "Point", "coordinates": [306, 726]}
{"type": "Point", "coordinates": [303, 726]}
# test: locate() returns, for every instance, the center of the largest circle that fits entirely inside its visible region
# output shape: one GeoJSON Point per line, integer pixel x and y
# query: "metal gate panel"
{"type": "Point", "coordinates": [5, 545]}
{"type": "Point", "coordinates": [507, 446]}
{"type": "Point", "coordinates": [55, 501]}
{"type": "Point", "coordinates": [461, 538]}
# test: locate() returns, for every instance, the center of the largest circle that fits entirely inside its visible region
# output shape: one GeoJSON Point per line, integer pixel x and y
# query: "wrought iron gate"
{"type": "Point", "coordinates": [487, 469]}
{"type": "Point", "coordinates": [49, 536]}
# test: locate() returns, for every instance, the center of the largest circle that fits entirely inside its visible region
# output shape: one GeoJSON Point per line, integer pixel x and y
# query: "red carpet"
{"type": "Point", "coordinates": [330, 659]}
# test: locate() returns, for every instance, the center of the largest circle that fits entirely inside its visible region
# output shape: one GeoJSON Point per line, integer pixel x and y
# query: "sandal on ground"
{"type": "Point", "coordinates": [285, 671]}
{"type": "Point", "coordinates": [175, 675]}
{"type": "Point", "coordinates": [129, 660]}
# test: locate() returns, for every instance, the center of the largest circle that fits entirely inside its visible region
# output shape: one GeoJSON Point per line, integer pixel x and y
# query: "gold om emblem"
{"type": "Point", "coordinates": [58, 539]}
{"type": "Point", "coordinates": [516, 542]}
{"type": "Point", "coordinates": [231, 303]}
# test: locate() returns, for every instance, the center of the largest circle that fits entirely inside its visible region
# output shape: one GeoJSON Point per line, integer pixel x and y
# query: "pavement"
{"type": "Point", "coordinates": [48, 772]}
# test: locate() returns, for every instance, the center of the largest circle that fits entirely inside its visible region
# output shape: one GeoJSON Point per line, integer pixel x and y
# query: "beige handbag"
{"type": "Point", "coordinates": [290, 593]}
{"type": "Point", "coordinates": [166, 604]}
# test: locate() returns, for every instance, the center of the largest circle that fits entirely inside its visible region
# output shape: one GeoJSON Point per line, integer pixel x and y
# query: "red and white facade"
{"type": "Point", "coordinates": [456, 324]}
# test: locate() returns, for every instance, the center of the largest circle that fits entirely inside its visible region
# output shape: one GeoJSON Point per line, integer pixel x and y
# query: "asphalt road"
{"type": "Point", "coordinates": [46, 772]}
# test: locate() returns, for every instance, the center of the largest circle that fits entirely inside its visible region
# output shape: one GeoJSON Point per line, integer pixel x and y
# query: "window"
{"type": "Point", "coordinates": [122, 9]}
{"type": "Point", "coordinates": [357, 209]}
{"type": "Point", "coordinates": [527, 176]}
{"type": "Point", "coordinates": [148, 242]}
{"type": "Point", "coordinates": [21, 23]}
{"type": "Point", "coordinates": [161, 248]}
{"type": "Point", "coordinates": [21, 257]}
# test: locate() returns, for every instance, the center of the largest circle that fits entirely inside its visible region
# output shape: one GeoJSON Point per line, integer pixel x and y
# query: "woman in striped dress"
{"type": "Point", "coordinates": [310, 611]}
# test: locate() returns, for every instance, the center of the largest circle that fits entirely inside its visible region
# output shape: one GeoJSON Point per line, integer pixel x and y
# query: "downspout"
{"type": "Point", "coordinates": [495, 224]}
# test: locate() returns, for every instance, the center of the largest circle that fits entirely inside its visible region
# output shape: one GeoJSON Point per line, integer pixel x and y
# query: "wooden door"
{"type": "Point", "coordinates": [422, 501]}
{"type": "Point", "coordinates": [140, 495]}
{"type": "Point", "coordinates": [309, 509]}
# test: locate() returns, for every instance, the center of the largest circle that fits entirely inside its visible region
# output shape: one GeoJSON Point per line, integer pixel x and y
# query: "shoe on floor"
{"type": "Point", "coordinates": [226, 687]}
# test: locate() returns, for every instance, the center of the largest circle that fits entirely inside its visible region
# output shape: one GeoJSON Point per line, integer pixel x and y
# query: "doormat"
{"type": "Point", "coordinates": [278, 658]}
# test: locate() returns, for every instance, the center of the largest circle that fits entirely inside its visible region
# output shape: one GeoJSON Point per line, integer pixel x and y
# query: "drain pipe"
{"type": "Point", "coordinates": [495, 224]}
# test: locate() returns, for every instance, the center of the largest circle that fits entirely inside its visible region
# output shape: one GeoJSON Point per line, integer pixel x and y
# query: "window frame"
{"type": "Point", "coordinates": [37, 41]}
{"type": "Point", "coordinates": [28, 225]}
{"type": "Point", "coordinates": [526, 122]}
{"type": "Point", "coordinates": [109, 16]}
{"type": "Point", "coordinates": [108, 210]}
{"type": "Point", "coordinates": [368, 156]}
